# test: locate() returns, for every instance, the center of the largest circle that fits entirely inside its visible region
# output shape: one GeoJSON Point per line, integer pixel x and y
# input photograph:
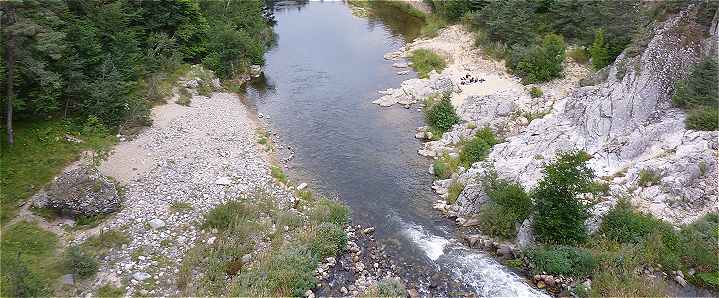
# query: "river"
{"type": "Point", "coordinates": [316, 93]}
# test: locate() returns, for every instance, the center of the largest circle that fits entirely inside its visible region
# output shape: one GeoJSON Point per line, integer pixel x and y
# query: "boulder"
{"type": "Point", "coordinates": [80, 192]}
{"type": "Point", "coordinates": [156, 224]}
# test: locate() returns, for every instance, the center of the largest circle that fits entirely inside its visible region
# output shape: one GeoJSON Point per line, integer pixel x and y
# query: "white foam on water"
{"type": "Point", "coordinates": [488, 277]}
{"type": "Point", "coordinates": [433, 246]}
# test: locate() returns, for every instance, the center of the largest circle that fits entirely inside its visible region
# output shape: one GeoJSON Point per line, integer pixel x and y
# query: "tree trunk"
{"type": "Point", "coordinates": [10, 45]}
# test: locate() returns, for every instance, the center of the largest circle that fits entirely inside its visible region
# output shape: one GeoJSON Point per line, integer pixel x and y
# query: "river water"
{"type": "Point", "coordinates": [315, 94]}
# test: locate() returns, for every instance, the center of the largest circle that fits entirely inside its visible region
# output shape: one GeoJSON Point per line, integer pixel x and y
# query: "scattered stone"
{"type": "Point", "coordinates": [302, 186]}
{"type": "Point", "coordinates": [246, 259]}
{"type": "Point", "coordinates": [73, 139]}
{"type": "Point", "coordinates": [223, 181]}
{"type": "Point", "coordinates": [140, 276]}
{"type": "Point", "coordinates": [400, 65]}
{"type": "Point", "coordinates": [368, 230]}
{"type": "Point", "coordinates": [680, 280]}
{"type": "Point", "coordinates": [156, 224]}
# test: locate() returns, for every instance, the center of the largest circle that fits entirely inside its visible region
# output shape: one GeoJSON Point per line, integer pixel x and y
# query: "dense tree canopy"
{"type": "Point", "coordinates": [105, 59]}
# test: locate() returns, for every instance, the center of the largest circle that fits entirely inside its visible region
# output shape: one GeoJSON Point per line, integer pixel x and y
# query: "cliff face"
{"type": "Point", "coordinates": [627, 123]}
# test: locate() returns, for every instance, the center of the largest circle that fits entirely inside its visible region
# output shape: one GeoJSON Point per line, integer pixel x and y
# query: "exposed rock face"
{"type": "Point", "coordinates": [82, 191]}
{"type": "Point", "coordinates": [414, 90]}
{"type": "Point", "coordinates": [627, 124]}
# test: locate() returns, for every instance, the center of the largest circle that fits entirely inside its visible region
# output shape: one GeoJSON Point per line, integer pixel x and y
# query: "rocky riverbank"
{"type": "Point", "coordinates": [196, 156]}
{"type": "Point", "coordinates": [621, 115]}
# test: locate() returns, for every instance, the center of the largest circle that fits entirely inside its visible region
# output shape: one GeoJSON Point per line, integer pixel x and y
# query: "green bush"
{"type": "Point", "coordinates": [562, 260]}
{"type": "Point", "coordinates": [184, 98]}
{"type": "Point", "coordinates": [536, 92]}
{"type": "Point", "coordinates": [560, 215]}
{"type": "Point", "coordinates": [648, 178]}
{"type": "Point", "coordinates": [328, 240]}
{"type": "Point", "coordinates": [625, 225]}
{"type": "Point", "coordinates": [579, 55]}
{"type": "Point", "coordinates": [699, 95]}
{"type": "Point", "coordinates": [80, 263]}
{"type": "Point", "coordinates": [498, 221]}
{"type": "Point", "coordinates": [477, 148]}
{"type": "Point", "coordinates": [289, 272]}
{"type": "Point", "coordinates": [441, 114]}
{"type": "Point", "coordinates": [424, 61]}
{"type": "Point", "coordinates": [540, 63]}
{"type": "Point", "coordinates": [455, 189]}
{"type": "Point", "coordinates": [225, 215]}
{"type": "Point", "coordinates": [599, 51]}
{"type": "Point", "coordinates": [432, 26]}
{"type": "Point", "coordinates": [509, 195]}
{"type": "Point", "coordinates": [326, 210]}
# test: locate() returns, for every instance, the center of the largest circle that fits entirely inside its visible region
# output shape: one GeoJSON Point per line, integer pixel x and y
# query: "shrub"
{"type": "Point", "coordinates": [424, 61]}
{"type": "Point", "coordinates": [625, 225]}
{"type": "Point", "coordinates": [562, 260]}
{"type": "Point", "coordinates": [432, 25]}
{"type": "Point", "coordinates": [477, 148]}
{"type": "Point", "coordinates": [509, 195]}
{"type": "Point", "coordinates": [184, 98]}
{"type": "Point", "coordinates": [441, 115]}
{"type": "Point", "coordinates": [225, 215]}
{"type": "Point", "coordinates": [498, 221]}
{"type": "Point", "coordinates": [329, 211]}
{"type": "Point", "coordinates": [80, 263]}
{"type": "Point", "coordinates": [599, 51]}
{"type": "Point", "coordinates": [699, 95]}
{"type": "Point", "coordinates": [388, 287]}
{"type": "Point", "coordinates": [560, 215]}
{"type": "Point", "coordinates": [453, 192]}
{"type": "Point", "coordinates": [328, 240]}
{"type": "Point", "coordinates": [289, 272]}
{"type": "Point", "coordinates": [648, 178]}
{"type": "Point", "coordinates": [536, 92]}
{"type": "Point", "coordinates": [445, 166]}
{"type": "Point", "coordinates": [579, 55]}
{"type": "Point", "coordinates": [540, 63]}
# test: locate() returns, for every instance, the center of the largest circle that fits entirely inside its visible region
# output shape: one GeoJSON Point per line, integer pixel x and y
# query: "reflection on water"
{"type": "Point", "coordinates": [386, 16]}
{"type": "Point", "coordinates": [317, 89]}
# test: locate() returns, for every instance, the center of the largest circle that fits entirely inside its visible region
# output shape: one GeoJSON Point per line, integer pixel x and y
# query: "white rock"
{"type": "Point", "coordinates": [140, 276]}
{"type": "Point", "coordinates": [223, 181]}
{"type": "Point", "coordinates": [156, 223]}
{"type": "Point", "coordinates": [302, 186]}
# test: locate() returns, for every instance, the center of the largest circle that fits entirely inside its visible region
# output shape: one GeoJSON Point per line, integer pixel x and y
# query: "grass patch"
{"type": "Point", "coordinates": [445, 166]}
{"type": "Point", "coordinates": [536, 92]}
{"type": "Point", "coordinates": [648, 178]}
{"type": "Point", "coordinates": [579, 55]}
{"type": "Point", "coordinates": [455, 189]}
{"type": "Point", "coordinates": [328, 239]}
{"type": "Point", "coordinates": [432, 26]}
{"type": "Point", "coordinates": [388, 287]}
{"type": "Point", "coordinates": [40, 152]}
{"type": "Point", "coordinates": [277, 173]}
{"type": "Point", "coordinates": [180, 206]}
{"type": "Point", "coordinates": [326, 210]}
{"type": "Point", "coordinates": [29, 263]}
{"type": "Point", "coordinates": [440, 115]}
{"type": "Point", "coordinates": [288, 272]}
{"type": "Point", "coordinates": [79, 263]}
{"type": "Point", "coordinates": [424, 61]}
{"type": "Point", "coordinates": [101, 243]}
{"type": "Point", "coordinates": [110, 291]}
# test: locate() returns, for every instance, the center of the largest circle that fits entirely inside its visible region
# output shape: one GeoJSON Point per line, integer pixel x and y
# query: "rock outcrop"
{"type": "Point", "coordinates": [80, 192]}
{"type": "Point", "coordinates": [628, 124]}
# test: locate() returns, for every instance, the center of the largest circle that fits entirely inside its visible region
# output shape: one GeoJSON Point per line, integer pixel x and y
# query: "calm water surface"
{"type": "Point", "coordinates": [317, 89]}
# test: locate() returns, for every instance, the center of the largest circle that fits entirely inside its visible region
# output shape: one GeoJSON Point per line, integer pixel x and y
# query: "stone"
{"type": "Point", "coordinates": [192, 84]}
{"type": "Point", "coordinates": [344, 290]}
{"type": "Point", "coordinates": [223, 181]}
{"type": "Point", "coordinates": [246, 259]}
{"type": "Point", "coordinates": [309, 294]}
{"type": "Point", "coordinates": [471, 222]}
{"type": "Point", "coordinates": [368, 230]}
{"type": "Point", "coordinates": [81, 192]}
{"type": "Point", "coordinates": [680, 280]}
{"type": "Point", "coordinates": [68, 279]}
{"type": "Point", "coordinates": [156, 224]}
{"type": "Point", "coordinates": [400, 65]}
{"type": "Point", "coordinates": [302, 186]}
{"type": "Point", "coordinates": [401, 73]}
{"type": "Point", "coordinates": [255, 70]}
{"type": "Point", "coordinates": [525, 234]}
{"type": "Point", "coordinates": [419, 135]}
{"type": "Point", "coordinates": [211, 240]}
{"type": "Point", "coordinates": [413, 293]}
{"type": "Point", "coordinates": [140, 276]}
{"type": "Point", "coordinates": [505, 251]}
{"type": "Point", "coordinates": [541, 285]}
{"type": "Point", "coordinates": [73, 139]}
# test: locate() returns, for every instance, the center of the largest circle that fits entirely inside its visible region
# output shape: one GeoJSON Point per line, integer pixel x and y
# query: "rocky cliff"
{"type": "Point", "coordinates": [626, 122]}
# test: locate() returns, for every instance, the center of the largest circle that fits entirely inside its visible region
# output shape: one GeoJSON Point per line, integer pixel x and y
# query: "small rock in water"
{"type": "Point", "coordinates": [400, 65]}
{"type": "Point", "coordinates": [680, 280]}
{"type": "Point", "coordinates": [157, 223]}
{"type": "Point", "coordinates": [140, 276]}
{"type": "Point", "coordinates": [401, 73]}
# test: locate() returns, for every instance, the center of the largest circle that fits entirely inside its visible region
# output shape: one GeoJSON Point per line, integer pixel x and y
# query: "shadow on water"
{"type": "Point", "coordinates": [316, 93]}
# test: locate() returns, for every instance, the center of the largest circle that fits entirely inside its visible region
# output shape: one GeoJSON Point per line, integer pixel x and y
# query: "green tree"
{"type": "Point", "coordinates": [540, 63]}
{"type": "Point", "coordinates": [699, 95]}
{"type": "Point", "coordinates": [560, 213]}
{"type": "Point", "coordinates": [599, 51]}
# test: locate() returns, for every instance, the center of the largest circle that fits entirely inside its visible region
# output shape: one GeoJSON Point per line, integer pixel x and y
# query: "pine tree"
{"type": "Point", "coordinates": [599, 51]}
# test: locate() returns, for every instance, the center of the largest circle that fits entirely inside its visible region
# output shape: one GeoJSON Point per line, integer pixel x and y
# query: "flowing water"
{"type": "Point", "coordinates": [316, 91]}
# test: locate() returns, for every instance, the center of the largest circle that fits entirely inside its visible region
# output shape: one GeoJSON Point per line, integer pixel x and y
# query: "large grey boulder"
{"type": "Point", "coordinates": [80, 192]}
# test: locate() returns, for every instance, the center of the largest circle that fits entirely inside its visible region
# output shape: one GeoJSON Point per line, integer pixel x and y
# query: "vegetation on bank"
{"type": "Point", "coordinates": [627, 243]}
{"type": "Point", "coordinates": [424, 61]}
{"type": "Point", "coordinates": [301, 239]}
{"type": "Point", "coordinates": [698, 95]}
{"type": "Point", "coordinates": [440, 114]}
